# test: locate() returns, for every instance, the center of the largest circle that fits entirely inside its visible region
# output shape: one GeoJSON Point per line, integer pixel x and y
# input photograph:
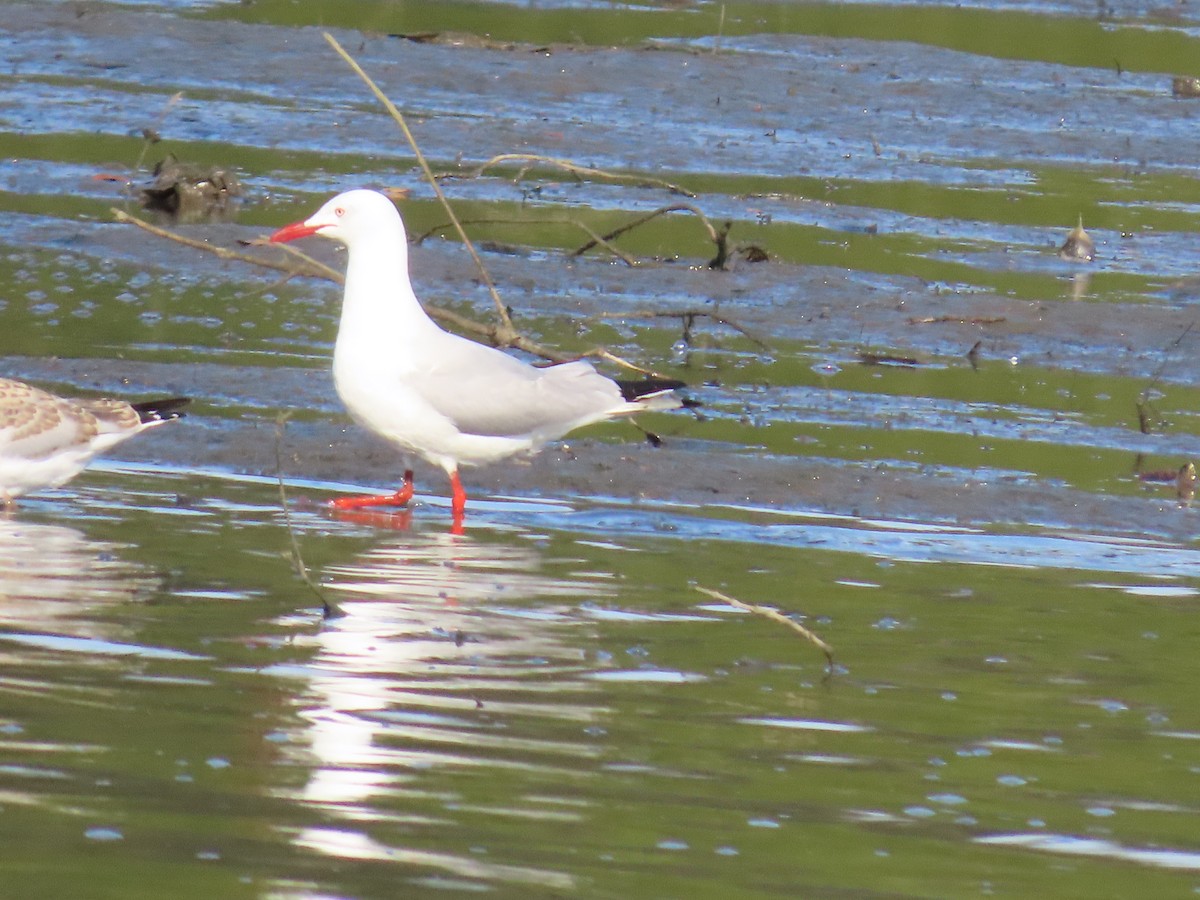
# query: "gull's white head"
{"type": "Point", "coordinates": [348, 218]}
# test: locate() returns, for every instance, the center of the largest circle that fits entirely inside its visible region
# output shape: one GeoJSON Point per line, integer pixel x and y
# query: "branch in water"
{"type": "Point", "coordinates": [775, 616]}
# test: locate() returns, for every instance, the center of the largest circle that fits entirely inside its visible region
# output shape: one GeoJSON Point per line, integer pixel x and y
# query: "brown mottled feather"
{"type": "Point", "coordinates": [46, 439]}
{"type": "Point", "coordinates": [116, 414]}
{"type": "Point", "coordinates": [43, 421]}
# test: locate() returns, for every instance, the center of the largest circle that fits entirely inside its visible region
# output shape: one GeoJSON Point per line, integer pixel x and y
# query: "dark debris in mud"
{"type": "Point", "coordinates": [189, 192]}
{"type": "Point", "coordinates": [887, 359]}
{"type": "Point", "coordinates": [463, 39]}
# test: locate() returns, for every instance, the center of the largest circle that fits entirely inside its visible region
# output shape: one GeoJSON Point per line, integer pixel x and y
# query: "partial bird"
{"type": "Point", "coordinates": [46, 440]}
{"type": "Point", "coordinates": [438, 396]}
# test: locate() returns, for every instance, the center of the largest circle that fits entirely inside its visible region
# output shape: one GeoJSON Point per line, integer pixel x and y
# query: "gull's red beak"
{"type": "Point", "coordinates": [294, 231]}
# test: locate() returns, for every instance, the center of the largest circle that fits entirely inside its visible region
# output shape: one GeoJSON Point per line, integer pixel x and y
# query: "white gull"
{"type": "Point", "coordinates": [444, 398]}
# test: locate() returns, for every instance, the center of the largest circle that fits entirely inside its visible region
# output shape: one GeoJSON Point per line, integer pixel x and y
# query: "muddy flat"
{"type": "Point", "coordinates": [910, 209]}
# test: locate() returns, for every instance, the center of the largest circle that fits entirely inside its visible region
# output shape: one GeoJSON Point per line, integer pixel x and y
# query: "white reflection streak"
{"type": "Point", "coordinates": [1076, 846]}
{"type": "Point", "coordinates": [807, 724]}
{"type": "Point", "coordinates": [392, 692]}
{"type": "Point", "coordinates": [355, 845]}
{"type": "Point", "coordinates": [441, 568]}
{"type": "Point", "coordinates": [50, 575]}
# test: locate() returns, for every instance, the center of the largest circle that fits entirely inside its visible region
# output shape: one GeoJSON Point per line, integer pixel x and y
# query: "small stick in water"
{"type": "Point", "coordinates": [775, 616]}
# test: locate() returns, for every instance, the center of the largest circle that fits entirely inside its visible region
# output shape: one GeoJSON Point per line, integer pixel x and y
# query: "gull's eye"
{"type": "Point", "coordinates": [339, 212]}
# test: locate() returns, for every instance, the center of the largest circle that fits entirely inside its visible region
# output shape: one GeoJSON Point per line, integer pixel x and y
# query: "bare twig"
{"type": "Point", "coordinates": [312, 268]}
{"type": "Point", "coordinates": [1145, 405]}
{"type": "Point", "coordinates": [603, 353]}
{"type": "Point", "coordinates": [567, 166]}
{"type": "Point", "coordinates": [719, 237]}
{"type": "Point", "coordinates": [151, 134]}
{"type": "Point", "coordinates": [502, 334]}
{"type": "Point", "coordinates": [775, 616]}
{"type": "Point", "coordinates": [597, 240]}
{"type": "Point", "coordinates": [309, 267]}
{"type": "Point", "coordinates": [506, 331]}
{"type": "Point", "coordinates": [330, 610]}
{"type": "Point", "coordinates": [642, 220]}
{"type": "Point", "coordinates": [442, 226]}
{"type": "Point", "coordinates": [686, 315]}
{"type": "Point", "coordinates": [957, 320]}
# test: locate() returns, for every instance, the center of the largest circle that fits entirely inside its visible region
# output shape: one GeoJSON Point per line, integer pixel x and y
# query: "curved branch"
{"type": "Point", "coordinates": [532, 159]}
{"type": "Point", "coordinates": [719, 238]}
{"type": "Point", "coordinates": [775, 616]}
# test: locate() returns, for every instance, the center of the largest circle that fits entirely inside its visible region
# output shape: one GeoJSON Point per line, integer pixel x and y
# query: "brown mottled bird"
{"type": "Point", "coordinates": [46, 440]}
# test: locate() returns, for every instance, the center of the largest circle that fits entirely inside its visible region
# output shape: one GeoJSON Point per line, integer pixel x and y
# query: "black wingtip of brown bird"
{"type": "Point", "coordinates": [644, 387]}
{"type": "Point", "coordinates": [162, 409]}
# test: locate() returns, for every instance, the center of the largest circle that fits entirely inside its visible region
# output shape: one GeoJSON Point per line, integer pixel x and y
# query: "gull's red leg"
{"type": "Point", "coordinates": [458, 502]}
{"type": "Point", "coordinates": [400, 498]}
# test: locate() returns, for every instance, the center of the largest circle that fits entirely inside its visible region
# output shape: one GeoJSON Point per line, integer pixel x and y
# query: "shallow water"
{"type": "Point", "coordinates": [546, 710]}
{"type": "Point", "coordinates": [545, 706]}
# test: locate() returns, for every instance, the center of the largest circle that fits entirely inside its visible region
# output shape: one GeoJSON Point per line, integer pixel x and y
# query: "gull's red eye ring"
{"type": "Point", "coordinates": [339, 212]}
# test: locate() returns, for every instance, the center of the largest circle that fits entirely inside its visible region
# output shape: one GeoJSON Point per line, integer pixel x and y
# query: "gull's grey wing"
{"type": "Point", "coordinates": [491, 393]}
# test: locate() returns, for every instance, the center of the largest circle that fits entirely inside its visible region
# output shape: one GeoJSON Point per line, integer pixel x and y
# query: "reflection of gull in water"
{"type": "Point", "coordinates": [50, 574]}
{"type": "Point", "coordinates": [355, 845]}
{"type": "Point", "coordinates": [448, 658]}
{"type": "Point", "coordinates": [440, 567]}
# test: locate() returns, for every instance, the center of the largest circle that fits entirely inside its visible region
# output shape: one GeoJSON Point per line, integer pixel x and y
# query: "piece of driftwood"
{"type": "Point", "coordinates": [774, 615]}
